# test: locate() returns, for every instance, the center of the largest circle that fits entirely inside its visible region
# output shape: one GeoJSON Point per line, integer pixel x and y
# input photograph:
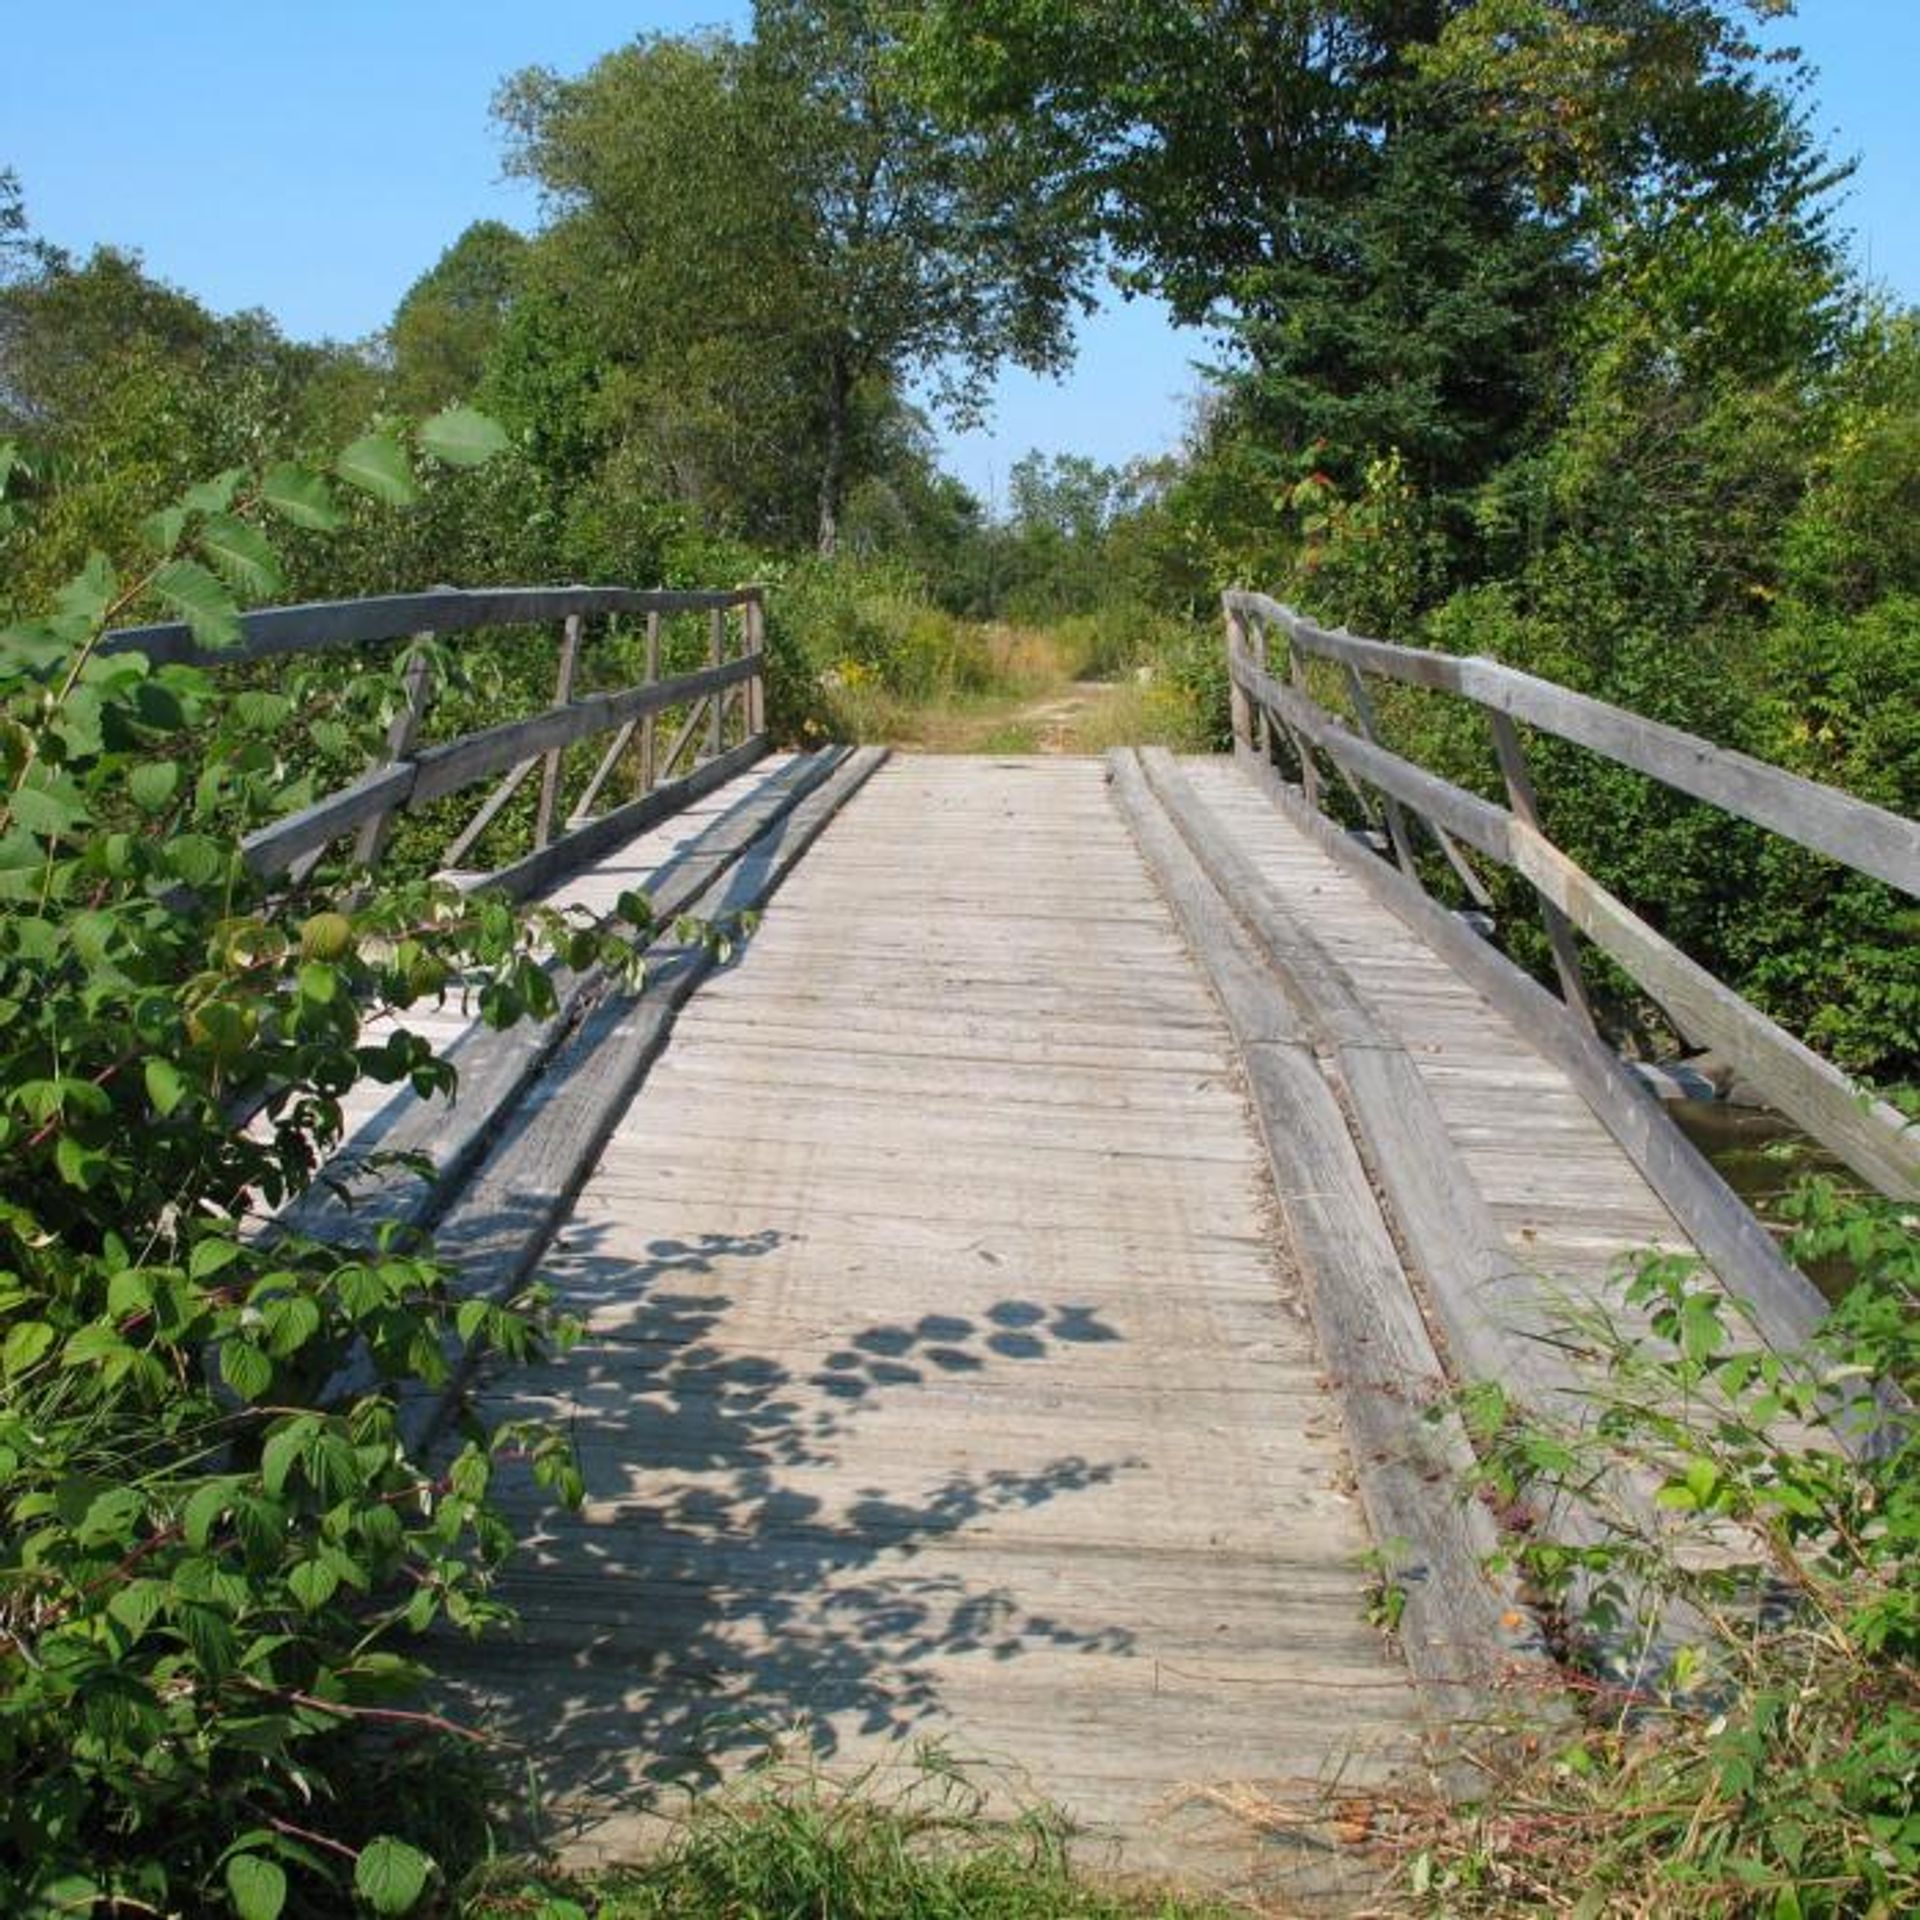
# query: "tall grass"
{"type": "Point", "coordinates": [788, 1845]}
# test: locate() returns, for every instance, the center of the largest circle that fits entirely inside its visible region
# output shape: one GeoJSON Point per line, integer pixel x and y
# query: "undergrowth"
{"type": "Point", "coordinates": [1762, 1756]}
{"type": "Point", "coordinates": [788, 1845]}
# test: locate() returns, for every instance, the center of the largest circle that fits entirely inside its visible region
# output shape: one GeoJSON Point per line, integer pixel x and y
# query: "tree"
{"type": "Point", "coordinates": [450, 319]}
{"type": "Point", "coordinates": [1395, 207]}
{"type": "Point", "coordinates": [797, 234]}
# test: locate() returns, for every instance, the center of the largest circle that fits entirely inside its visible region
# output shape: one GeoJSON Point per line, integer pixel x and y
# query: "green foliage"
{"type": "Point", "coordinates": [1768, 1761]}
{"type": "Point", "coordinates": [786, 1843]}
{"type": "Point", "coordinates": [220, 1541]}
{"type": "Point", "coordinates": [806, 237]}
{"type": "Point", "coordinates": [448, 322]}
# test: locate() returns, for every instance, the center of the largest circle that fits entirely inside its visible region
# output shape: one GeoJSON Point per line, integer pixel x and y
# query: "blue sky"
{"type": "Point", "coordinates": [312, 158]}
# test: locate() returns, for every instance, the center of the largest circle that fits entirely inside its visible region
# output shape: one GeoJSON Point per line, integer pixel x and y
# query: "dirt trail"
{"type": "Point", "coordinates": [1053, 722]}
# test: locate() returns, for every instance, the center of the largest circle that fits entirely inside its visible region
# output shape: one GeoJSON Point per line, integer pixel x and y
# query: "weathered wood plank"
{"type": "Point", "coordinates": [1729, 1238]}
{"type": "Point", "coordinates": [503, 1217]}
{"type": "Point", "coordinates": [1478, 822]}
{"type": "Point", "coordinates": [1462, 1628]}
{"type": "Point", "coordinates": [555, 760]}
{"type": "Point", "coordinates": [1855, 832]}
{"type": "Point", "coordinates": [324, 624]}
{"type": "Point", "coordinates": [1520, 797]}
{"type": "Point", "coordinates": [1871, 1136]}
{"type": "Point", "coordinates": [959, 1416]}
{"type": "Point", "coordinates": [445, 769]}
{"type": "Point", "coordinates": [497, 1068]}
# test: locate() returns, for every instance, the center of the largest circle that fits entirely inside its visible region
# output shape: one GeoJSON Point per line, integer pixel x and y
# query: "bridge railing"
{"type": "Point", "coordinates": [1866, 1133]}
{"type": "Point", "coordinates": [721, 708]}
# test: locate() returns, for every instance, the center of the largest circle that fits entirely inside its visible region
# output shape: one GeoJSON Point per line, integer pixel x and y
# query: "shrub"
{"type": "Point", "coordinates": [219, 1540]}
{"type": "Point", "coordinates": [1773, 1764]}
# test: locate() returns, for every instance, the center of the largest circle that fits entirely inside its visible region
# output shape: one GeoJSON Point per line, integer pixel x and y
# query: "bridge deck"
{"type": "Point", "coordinates": [946, 1374]}
{"type": "Point", "coordinates": [943, 1376]}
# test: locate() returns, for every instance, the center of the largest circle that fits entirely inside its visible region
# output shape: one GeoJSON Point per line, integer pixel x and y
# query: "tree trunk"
{"type": "Point", "coordinates": [833, 460]}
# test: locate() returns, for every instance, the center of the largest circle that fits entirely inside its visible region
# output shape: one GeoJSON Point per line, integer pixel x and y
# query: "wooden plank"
{"type": "Point", "coordinates": [756, 643]}
{"type": "Point", "coordinates": [1478, 822]}
{"type": "Point", "coordinates": [1731, 1241]}
{"type": "Point", "coordinates": [503, 1217]}
{"type": "Point", "coordinates": [489, 811]}
{"type": "Point", "coordinates": [717, 715]}
{"type": "Point", "coordinates": [1057, 1479]}
{"type": "Point", "coordinates": [497, 1068]}
{"type": "Point", "coordinates": [1858, 834]}
{"type": "Point", "coordinates": [445, 769]}
{"type": "Point", "coordinates": [582, 845]}
{"type": "Point", "coordinates": [550, 767]}
{"type": "Point", "coordinates": [271, 850]}
{"type": "Point", "coordinates": [1323, 995]}
{"type": "Point", "coordinates": [650, 723]}
{"type": "Point", "coordinates": [582, 810]}
{"type": "Point", "coordinates": [1520, 797]}
{"type": "Point", "coordinates": [1869, 1135]}
{"type": "Point", "coordinates": [418, 688]}
{"type": "Point", "coordinates": [1462, 1629]}
{"type": "Point", "coordinates": [324, 624]}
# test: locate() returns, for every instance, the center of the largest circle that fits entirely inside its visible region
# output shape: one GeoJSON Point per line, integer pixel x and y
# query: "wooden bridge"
{"type": "Point", "coordinates": [1020, 1282]}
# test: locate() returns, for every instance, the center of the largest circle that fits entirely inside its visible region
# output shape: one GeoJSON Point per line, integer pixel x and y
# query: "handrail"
{"type": "Point", "coordinates": [413, 775]}
{"type": "Point", "coordinates": [1868, 1134]}
{"type": "Point", "coordinates": [318, 625]}
{"type": "Point", "coordinates": [1870, 839]}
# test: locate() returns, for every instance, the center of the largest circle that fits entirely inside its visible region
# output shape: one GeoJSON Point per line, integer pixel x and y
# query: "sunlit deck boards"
{"type": "Point", "coordinates": [941, 1376]}
{"type": "Point", "coordinates": [1568, 1197]}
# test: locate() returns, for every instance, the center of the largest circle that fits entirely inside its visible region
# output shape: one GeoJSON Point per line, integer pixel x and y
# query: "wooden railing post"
{"type": "Point", "coordinates": [401, 730]}
{"type": "Point", "coordinates": [717, 707]}
{"type": "Point", "coordinates": [649, 726]}
{"type": "Point", "coordinates": [1396, 819]}
{"type": "Point", "coordinates": [554, 764]}
{"type": "Point", "coordinates": [756, 619]}
{"type": "Point", "coordinates": [1525, 805]}
{"type": "Point", "coordinates": [1309, 767]}
{"type": "Point", "coordinates": [1241, 706]}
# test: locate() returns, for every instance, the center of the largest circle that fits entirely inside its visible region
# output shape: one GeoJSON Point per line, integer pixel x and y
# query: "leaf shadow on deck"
{"type": "Point", "coordinates": [726, 1586]}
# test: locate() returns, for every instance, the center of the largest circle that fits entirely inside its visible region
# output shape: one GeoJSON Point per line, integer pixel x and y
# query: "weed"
{"type": "Point", "coordinates": [789, 1845]}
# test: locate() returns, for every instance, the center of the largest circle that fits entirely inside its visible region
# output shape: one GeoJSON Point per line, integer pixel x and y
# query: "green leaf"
{"type": "Point", "coordinates": [208, 1502]}
{"type": "Point", "coordinates": [194, 858]}
{"type": "Point", "coordinates": [390, 1876]}
{"type": "Point", "coordinates": [52, 805]}
{"type": "Point", "coordinates": [210, 1634]}
{"type": "Point", "coordinates": [242, 556]}
{"type": "Point", "coordinates": [260, 711]}
{"type": "Point", "coordinates": [26, 1345]}
{"type": "Point", "coordinates": [90, 592]}
{"type": "Point", "coordinates": [153, 783]}
{"type": "Point", "coordinates": [79, 1166]}
{"type": "Point", "coordinates": [245, 1368]}
{"type": "Point", "coordinates": [258, 1886]}
{"type": "Point", "coordinates": [213, 496]}
{"type": "Point", "coordinates": [137, 1605]}
{"type": "Point", "coordinates": [301, 496]}
{"type": "Point", "coordinates": [279, 1454]}
{"type": "Point", "coordinates": [313, 1583]}
{"type": "Point", "coordinates": [201, 601]}
{"type": "Point", "coordinates": [463, 437]}
{"type": "Point", "coordinates": [166, 1087]}
{"type": "Point", "coordinates": [377, 464]}
{"type": "Point", "coordinates": [211, 1256]}
{"type": "Point", "coordinates": [162, 530]}
{"type": "Point", "coordinates": [319, 983]}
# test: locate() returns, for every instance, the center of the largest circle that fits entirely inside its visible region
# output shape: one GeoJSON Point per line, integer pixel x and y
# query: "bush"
{"type": "Point", "coordinates": [220, 1542]}
{"type": "Point", "coordinates": [1773, 1765]}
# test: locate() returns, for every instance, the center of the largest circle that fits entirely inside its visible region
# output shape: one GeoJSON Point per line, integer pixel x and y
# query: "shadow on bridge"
{"type": "Point", "coordinates": [759, 1562]}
